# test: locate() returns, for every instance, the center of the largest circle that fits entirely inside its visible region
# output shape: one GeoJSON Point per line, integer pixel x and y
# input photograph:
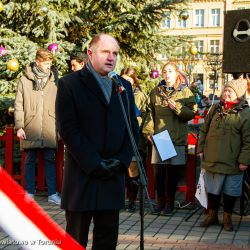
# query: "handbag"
{"type": "Point", "coordinates": [201, 193]}
{"type": "Point", "coordinates": [133, 170]}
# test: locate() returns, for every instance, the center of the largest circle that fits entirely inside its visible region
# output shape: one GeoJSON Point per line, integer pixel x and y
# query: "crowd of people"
{"type": "Point", "coordinates": [83, 109]}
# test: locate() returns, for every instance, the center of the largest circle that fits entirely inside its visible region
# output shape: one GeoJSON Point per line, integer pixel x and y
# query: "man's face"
{"type": "Point", "coordinates": [44, 65]}
{"type": "Point", "coordinates": [75, 65]}
{"type": "Point", "coordinates": [103, 55]}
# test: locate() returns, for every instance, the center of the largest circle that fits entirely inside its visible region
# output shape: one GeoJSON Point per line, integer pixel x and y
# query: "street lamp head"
{"type": "Point", "coordinates": [184, 15]}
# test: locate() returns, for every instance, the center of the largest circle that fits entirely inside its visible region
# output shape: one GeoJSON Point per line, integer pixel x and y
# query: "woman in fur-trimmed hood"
{"type": "Point", "coordinates": [224, 147]}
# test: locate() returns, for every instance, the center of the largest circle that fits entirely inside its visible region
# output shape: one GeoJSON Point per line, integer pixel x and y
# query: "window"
{"type": "Point", "coordinates": [215, 14]}
{"type": "Point", "coordinates": [163, 57]}
{"type": "Point", "coordinates": [167, 20]}
{"type": "Point", "coordinates": [199, 18]}
{"type": "Point", "coordinates": [180, 22]}
{"type": "Point", "coordinates": [200, 46]}
{"type": "Point", "coordinates": [214, 46]}
{"type": "Point", "coordinates": [179, 52]}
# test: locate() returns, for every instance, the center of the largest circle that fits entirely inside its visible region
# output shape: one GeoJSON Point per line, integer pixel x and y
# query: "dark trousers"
{"type": "Point", "coordinates": [132, 187]}
{"type": "Point", "coordinates": [166, 180]}
{"type": "Point", "coordinates": [105, 232]}
{"type": "Point", "coordinates": [30, 168]}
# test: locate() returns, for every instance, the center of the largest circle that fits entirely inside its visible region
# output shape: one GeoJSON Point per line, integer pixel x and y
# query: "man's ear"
{"type": "Point", "coordinates": [89, 53]}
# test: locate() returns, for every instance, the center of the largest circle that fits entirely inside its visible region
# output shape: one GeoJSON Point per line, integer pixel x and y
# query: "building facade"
{"type": "Point", "coordinates": [204, 24]}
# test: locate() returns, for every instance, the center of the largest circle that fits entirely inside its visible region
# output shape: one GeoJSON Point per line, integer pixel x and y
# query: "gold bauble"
{"type": "Point", "coordinates": [193, 50]}
{"type": "Point", "coordinates": [13, 65]}
{"type": "Point", "coordinates": [1, 6]}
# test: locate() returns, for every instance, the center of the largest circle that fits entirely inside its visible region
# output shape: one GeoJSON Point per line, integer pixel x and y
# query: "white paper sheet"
{"type": "Point", "coordinates": [164, 145]}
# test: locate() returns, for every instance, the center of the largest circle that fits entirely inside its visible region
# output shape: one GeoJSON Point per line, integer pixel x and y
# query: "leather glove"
{"type": "Point", "coordinates": [115, 165]}
{"type": "Point", "coordinates": [102, 171]}
{"type": "Point", "coordinates": [107, 169]}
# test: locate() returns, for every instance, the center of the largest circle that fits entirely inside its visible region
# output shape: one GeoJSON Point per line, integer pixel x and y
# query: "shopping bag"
{"type": "Point", "coordinates": [201, 193]}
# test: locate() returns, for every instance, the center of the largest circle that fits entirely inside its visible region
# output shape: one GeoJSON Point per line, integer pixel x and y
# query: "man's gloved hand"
{"type": "Point", "coordinates": [107, 169]}
{"type": "Point", "coordinates": [115, 166]}
{"type": "Point", "coordinates": [102, 171]}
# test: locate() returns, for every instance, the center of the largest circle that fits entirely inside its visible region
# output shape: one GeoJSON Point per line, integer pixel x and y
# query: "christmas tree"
{"type": "Point", "coordinates": [26, 25]}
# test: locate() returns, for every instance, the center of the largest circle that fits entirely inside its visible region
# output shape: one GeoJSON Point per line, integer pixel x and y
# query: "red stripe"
{"type": "Point", "coordinates": [36, 214]}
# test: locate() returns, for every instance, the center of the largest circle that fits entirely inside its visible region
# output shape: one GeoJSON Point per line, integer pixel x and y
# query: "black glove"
{"type": "Point", "coordinates": [107, 169]}
{"type": "Point", "coordinates": [115, 165]}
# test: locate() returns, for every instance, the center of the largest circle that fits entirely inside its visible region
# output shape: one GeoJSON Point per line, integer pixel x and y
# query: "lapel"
{"type": "Point", "coordinates": [91, 83]}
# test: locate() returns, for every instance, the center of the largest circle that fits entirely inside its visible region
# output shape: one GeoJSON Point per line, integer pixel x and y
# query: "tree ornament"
{"type": "Point", "coordinates": [193, 50]}
{"type": "Point", "coordinates": [1, 6]}
{"type": "Point", "coordinates": [53, 47]}
{"type": "Point", "coordinates": [10, 111]}
{"type": "Point", "coordinates": [184, 15]}
{"type": "Point", "coordinates": [13, 65]}
{"type": "Point", "coordinates": [44, 9]}
{"type": "Point", "coordinates": [154, 73]}
{"type": "Point", "coordinates": [3, 51]}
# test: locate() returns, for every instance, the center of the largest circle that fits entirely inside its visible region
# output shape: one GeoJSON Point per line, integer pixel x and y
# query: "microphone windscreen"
{"type": "Point", "coordinates": [111, 74]}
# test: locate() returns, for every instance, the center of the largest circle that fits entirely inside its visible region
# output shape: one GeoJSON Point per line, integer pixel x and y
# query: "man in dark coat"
{"type": "Point", "coordinates": [98, 148]}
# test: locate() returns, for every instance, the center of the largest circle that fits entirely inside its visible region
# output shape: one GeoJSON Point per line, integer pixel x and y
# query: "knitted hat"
{"type": "Point", "coordinates": [239, 86]}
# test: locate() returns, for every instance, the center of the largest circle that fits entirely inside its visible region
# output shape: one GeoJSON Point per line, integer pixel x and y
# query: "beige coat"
{"type": "Point", "coordinates": [35, 112]}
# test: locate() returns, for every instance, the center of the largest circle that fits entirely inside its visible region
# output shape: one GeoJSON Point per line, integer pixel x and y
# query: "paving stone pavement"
{"type": "Point", "coordinates": [163, 232]}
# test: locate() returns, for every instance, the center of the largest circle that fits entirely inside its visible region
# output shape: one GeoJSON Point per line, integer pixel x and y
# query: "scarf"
{"type": "Point", "coordinates": [229, 105]}
{"type": "Point", "coordinates": [41, 78]}
{"type": "Point", "coordinates": [104, 82]}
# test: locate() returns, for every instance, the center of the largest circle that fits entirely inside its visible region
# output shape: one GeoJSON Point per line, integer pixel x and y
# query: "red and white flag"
{"type": "Point", "coordinates": [27, 223]}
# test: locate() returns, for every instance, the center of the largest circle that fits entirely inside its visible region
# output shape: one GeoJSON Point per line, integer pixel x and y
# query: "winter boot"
{"type": "Point", "coordinates": [229, 202]}
{"type": "Point", "coordinates": [211, 219]}
{"type": "Point", "coordinates": [227, 222]}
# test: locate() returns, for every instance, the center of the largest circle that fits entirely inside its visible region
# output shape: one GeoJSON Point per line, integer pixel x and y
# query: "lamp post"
{"type": "Point", "coordinates": [214, 62]}
{"type": "Point", "coordinates": [187, 58]}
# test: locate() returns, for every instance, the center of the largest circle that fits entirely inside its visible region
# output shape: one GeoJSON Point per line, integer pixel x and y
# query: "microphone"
{"type": "Point", "coordinates": [113, 76]}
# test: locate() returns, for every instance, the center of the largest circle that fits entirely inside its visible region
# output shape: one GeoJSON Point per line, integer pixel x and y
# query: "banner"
{"type": "Point", "coordinates": [26, 222]}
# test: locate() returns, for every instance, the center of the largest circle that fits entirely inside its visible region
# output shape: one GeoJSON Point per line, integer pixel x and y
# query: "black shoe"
{"type": "Point", "coordinates": [156, 211]}
{"type": "Point", "coordinates": [168, 210]}
{"type": "Point", "coordinates": [131, 207]}
{"type": "Point", "coordinates": [159, 205]}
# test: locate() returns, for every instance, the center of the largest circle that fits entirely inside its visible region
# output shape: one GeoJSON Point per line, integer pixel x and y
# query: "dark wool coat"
{"type": "Point", "coordinates": [93, 130]}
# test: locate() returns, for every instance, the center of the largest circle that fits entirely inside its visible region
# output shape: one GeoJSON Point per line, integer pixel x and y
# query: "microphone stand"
{"type": "Point", "coordinates": [142, 182]}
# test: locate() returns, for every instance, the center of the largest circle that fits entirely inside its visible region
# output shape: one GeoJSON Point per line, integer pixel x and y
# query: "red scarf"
{"type": "Point", "coordinates": [229, 105]}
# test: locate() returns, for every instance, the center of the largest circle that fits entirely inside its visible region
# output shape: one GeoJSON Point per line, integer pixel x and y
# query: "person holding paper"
{"type": "Point", "coordinates": [171, 106]}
